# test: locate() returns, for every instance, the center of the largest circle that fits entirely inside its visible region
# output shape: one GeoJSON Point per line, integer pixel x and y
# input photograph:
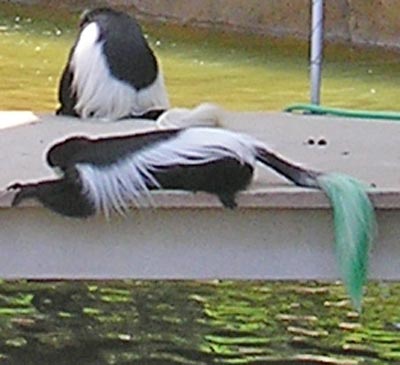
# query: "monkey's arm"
{"type": "Point", "coordinates": [62, 196]}
{"type": "Point", "coordinates": [66, 95]}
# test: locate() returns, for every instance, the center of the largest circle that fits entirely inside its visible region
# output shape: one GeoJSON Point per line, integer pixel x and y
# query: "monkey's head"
{"type": "Point", "coordinates": [96, 15]}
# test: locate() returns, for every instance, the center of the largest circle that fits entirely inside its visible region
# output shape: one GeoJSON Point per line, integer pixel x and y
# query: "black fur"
{"type": "Point", "coordinates": [224, 178]}
{"type": "Point", "coordinates": [102, 151]}
{"type": "Point", "coordinates": [126, 51]}
{"type": "Point", "coordinates": [293, 172]}
{"type": "Point", "coordinates": [151, 115]}
{"type": "Point", "coordinates": [63, 196]}
{"type": "Point", "coordinates": [66, 95]}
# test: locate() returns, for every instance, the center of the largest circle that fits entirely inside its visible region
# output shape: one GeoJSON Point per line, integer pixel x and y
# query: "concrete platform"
{"type": "Point", "coordinates": [278, 232]}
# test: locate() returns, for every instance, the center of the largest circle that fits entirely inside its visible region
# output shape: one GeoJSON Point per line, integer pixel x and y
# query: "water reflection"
{"type": "Point", "coordinates": [135, 322]}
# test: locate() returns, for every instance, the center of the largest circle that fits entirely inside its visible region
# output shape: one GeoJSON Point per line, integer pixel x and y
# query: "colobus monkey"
{"type": "Point", "coordinates": [111, 72]}
{"type": "Point", "coordinates": [109, 174]}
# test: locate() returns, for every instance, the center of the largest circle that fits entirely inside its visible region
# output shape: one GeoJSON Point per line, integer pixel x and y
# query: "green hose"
{"type": "Point", "coordinates": [322, 110]}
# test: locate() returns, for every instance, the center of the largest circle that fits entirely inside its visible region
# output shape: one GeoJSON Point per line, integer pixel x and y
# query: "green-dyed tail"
{"type": "Point", "coordinates": [355, 228]}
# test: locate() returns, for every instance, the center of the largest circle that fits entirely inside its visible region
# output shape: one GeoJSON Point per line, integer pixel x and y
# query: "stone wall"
{"type": "Point", "coordinates": [371, 22]}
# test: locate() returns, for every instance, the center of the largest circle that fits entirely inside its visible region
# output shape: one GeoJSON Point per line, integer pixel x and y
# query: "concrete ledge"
{"type": "Point", "coordinates": [185, 243]}
{"type": "Point", "coordinates": [268, 198]}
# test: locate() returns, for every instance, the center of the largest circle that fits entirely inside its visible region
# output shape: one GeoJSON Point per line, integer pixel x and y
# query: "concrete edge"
{"type": "Point", "coordinates": [269, 198]}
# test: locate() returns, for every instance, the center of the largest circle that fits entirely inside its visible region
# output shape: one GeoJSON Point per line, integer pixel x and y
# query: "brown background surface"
{"type": "Point", "coordinates": [372, 22]}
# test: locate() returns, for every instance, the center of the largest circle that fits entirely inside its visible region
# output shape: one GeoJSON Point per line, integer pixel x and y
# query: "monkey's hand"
{"type": "Point", "coordinates": [24, 191]}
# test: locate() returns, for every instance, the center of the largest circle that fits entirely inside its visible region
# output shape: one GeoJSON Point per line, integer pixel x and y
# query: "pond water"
{"type": "Point", "coordinates": [252, 323]}
{"type": "Point", "coordinates": [150, 322]}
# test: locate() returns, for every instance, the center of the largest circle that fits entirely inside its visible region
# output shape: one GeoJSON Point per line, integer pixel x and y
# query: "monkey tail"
{"type": "Point", "coordinates": [205, 115]}
{"type": "Point", "coordinates": [353, 213]}
{"type": "Point", "coordinates": [299, 175]}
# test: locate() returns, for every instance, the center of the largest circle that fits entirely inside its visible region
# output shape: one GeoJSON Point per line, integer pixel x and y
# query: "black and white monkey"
{"type": "Point", "coordinates": [109, 174]}
{"type": "Point", "coordinates": [111, 72]}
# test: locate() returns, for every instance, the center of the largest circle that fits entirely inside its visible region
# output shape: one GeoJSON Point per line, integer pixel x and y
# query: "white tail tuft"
{"type": "Point", "coordinates": [205, 115]}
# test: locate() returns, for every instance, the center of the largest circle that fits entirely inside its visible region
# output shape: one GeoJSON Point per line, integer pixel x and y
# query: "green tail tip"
{"type": "Point", "coordinates": [355, 228]}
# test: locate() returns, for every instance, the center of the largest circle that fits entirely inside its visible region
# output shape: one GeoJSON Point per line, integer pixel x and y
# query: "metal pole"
{"type": "Point", "coordinates": [317, 38]}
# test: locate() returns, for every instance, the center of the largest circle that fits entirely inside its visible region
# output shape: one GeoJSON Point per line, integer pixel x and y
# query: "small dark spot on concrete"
{"type": "Point", "coordinates": [311, 142]}
{"type": "Point", "coordinates": [373, 185]}
{"type": "Point", "coordinates": [322, 142]}
{"type": "Point", "coordinates": [345, 153]}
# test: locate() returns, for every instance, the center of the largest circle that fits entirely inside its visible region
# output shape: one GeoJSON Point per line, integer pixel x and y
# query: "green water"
{"type": "Point", "coordinates": [239, 72]}
{"type": "Point", "coordinates": [252, 323]}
